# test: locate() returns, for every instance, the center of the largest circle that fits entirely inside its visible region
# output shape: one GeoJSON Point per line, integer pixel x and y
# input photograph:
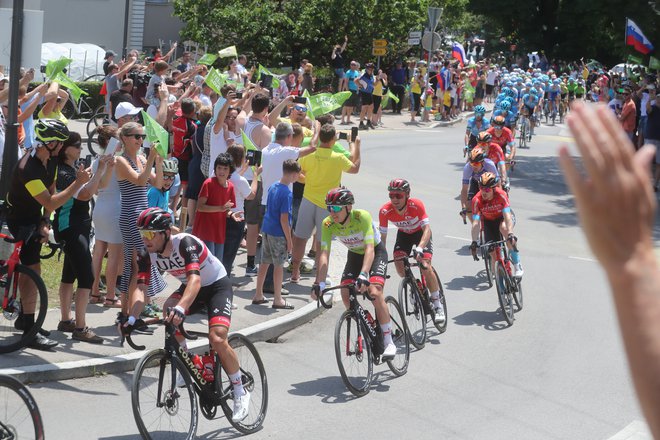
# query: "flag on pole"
{"type": "Point", "coordinates": [458, 52]}
{"type": "Point", "coordinates": [54, 67]}
{"type": "Point", "coordinates": [215, 80]}
{"type": "Point", "coordinates": [635, 38]}
{"type": "Point", "coordinates": [156, 134]}
{"type": "Point", "coordinates": [207, 59]}
{"type": "Point", "coordinates": [393, 96]}
{"type": "Point", "coordinates": [654, 63]}
{"type": "Point", "coordinates": [310, 108]}
{"type": "Point", "coordinates": [263, 71]}
{"type": "Point", "coordinates": [73, 88]}
{"type": "Point", "coordinates": [247, 143]}
{"type": "Point", "coordinates": [228, 52]}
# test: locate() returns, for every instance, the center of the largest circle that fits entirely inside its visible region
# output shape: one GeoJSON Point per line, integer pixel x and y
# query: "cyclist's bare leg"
{"type": "Point", "coordinates": [398, 265]}
{"type": "Point", "coordinates": [429, 276]}
{"type": "Point", "coordinates": [382, 312]}
{"type": "Point", "coordinates": [29, 291]}
{"type": "Point", "coordinates": [219, 342]}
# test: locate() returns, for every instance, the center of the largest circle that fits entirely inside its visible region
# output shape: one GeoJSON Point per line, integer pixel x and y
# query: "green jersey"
{"type": "Point", "coordinates": [571, 87]}
{"type": "Point", "coordinates": [358, 231]}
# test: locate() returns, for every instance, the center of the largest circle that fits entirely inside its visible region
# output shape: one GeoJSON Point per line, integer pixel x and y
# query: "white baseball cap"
{"type": "Point", "coordinates": [126, 109]}
{"type": "Point", "coordinates": [3, 77]}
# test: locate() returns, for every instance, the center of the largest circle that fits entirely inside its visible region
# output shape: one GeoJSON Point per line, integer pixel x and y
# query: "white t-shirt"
{"type": "Point", "coordinates": [490, 77]}
{"type": "Point", "coordinates": [272, 158]}
{"type": "Point", "coordinates": [205, 100]}
{"type": "Point", "coordinates": [241, 189]}
{"type": "Point", "coordinates": [218, 146]}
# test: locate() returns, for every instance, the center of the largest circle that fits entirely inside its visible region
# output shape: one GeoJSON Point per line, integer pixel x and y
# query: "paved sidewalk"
{"type": "Point", "coordinates": [75, 359]}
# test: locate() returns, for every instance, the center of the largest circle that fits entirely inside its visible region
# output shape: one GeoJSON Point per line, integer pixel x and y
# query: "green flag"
{"type": "Point", "coordinates": [247, 143]}
{"type": "Point", "coordinates": [54, 67]}
{"type": "Point", "coordinates": [634, 59]}
{"type": "Point", "coordinates": [207, 59]}
{"type": "Point", "coordinates": [65, 81]}
{"type": "Point", "coordinates": [156, 134]}
{"type": "Point", "coordinates": [323, 103]}
{"type": "Point", "coordinates": [215, 80]}
{"type": "Point", "coordinates": [228, 52]}
{"type": "Point", "coordinates": [393, 96]}
{"type": "Point", "coordinates": [654, 63]}
{"type": "Point", "coordinates": [263, 71]}
{"type": "Point", "coordinates": [310, 107]}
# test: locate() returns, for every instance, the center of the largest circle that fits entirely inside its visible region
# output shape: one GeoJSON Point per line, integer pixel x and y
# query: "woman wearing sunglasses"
{"type": "Point", "coordinates": [134, 173]}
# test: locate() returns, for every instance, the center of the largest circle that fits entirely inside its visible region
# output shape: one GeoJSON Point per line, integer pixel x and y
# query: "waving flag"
{"type": "Point", "coordinates": [156, 134]}
{"type": "Point", "coordinates": [215, 80]}
{"type": "Point", "coordinates": [207, 59]}
{"type": "Point", "coordinates": [65, 81]}
{"type": "Point", "coordinates": [458, 52]}
{"type": "Point", "coordinates": [228, 52]}
{"type": "Point", "coordinates": [635, 38]}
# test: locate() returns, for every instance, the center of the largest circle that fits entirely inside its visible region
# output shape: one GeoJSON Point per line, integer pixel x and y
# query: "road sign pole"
{"type": "Point", "coordinates": [378, 64]}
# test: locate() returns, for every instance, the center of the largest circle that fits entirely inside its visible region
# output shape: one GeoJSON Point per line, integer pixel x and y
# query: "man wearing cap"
{"type": "Point", "coordinates": [366, 87]}
{"type": "Point", "coordinates": [124, 94]}
{"type": "Point", "coordinates": [109, 60]}
{"type": "Point", "coordinates": [628, 115]}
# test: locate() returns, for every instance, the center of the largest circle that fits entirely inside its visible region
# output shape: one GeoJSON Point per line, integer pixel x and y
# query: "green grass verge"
{"type": "Point", "coordinates": [51, 273]}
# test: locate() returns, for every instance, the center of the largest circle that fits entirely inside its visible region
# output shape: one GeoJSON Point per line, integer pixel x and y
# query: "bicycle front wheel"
{"type": "Point", "coordinates": [441, 326]}
{"type": "Point", "coordinates": [399, 365]}
{"type": "Point", "coordinates": [32, 298]}
{"type": "Point", "coordinates": [518, 293]}
{"type": "Point", "coordinates": [255, 382]}
{"type": "Point", "coordinates": [163, 409]}
{"type": "Point", "coordinates": [353, 352]}
{"type": "Point", "coordinates": [503, 294]}
{"type": "Point", "coordinates": [413, 311]}
{"type": "Point", "coordinates": [485, 255]}
{"type": "Point", "coordinates": [19, 413]}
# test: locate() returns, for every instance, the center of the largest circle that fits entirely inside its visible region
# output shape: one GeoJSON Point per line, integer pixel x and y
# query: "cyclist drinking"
{"type": "Point", "coordinates": [203, 278]}
{"type": "Point", "coordinates": [366, 263]}
{"type": "Point", "coordinates": [413, 234]}
{"type": "Point", "coordinates": [493, 204]}
{"type": "Point", "coordinates": [476, 166]}
{"type": "Point", "coordinates": [475, 124]}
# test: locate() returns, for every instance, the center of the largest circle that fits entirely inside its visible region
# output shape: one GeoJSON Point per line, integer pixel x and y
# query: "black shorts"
{"type": "Point", "coordinates": [31, 249]}
{"type": "Point", "coordinates": [377, 101]}
{"type": "Point", "coordinates": [405, 243]}
{"type": "Point", "coordinates": [183, 171]}
{"type": "Point", "coordinates": [353, 100]}
{"type": "Point", "coordinates": [491, 229]}
{"type": "Point", "coordinates": [472, 191]}
{"type": "Point", "coordinates": [489, 89]}
{"type": "Point", "coordinates": [433, 81]}
{"type": "Point", "coordinates": [378, 271]}
{"type": "Point", "coordinates": [217, 298]}
{"type": "Point", "coordinates": [366, 98]}
{"type": "Point", "coordinates": [253, 213]}
{"type": "Point", "coordinates": [530, 110]}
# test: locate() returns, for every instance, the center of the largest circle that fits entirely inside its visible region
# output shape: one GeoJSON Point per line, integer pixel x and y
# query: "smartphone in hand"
{"type": "Point", "coordinates": [253, 157]}
{"type": "Point", "coordinates": [354, 133]}
{"type": "Point", "coordinates": [300, 100]}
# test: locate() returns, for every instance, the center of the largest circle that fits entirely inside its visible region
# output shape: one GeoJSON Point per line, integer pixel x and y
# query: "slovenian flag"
{"type": "Point", "coordinates": [635, 37]}
{"type": "Point", "coordinates": [458, 52]}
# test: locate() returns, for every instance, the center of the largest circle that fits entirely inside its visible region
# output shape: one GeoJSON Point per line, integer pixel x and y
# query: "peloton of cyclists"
{"type": "Point", "coordinates": [475, 125]}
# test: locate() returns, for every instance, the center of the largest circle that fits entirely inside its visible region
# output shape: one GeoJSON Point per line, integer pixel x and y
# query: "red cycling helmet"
{"type": "Point", "coordinates": [399, 185]}
{"type": "Point", "coordinates": [339, 197]}
{"type": "Point", "coordinates": [154, 219]}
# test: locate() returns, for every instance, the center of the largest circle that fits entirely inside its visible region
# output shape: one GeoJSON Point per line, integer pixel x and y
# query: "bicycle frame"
{"type": "Point", "coordinates": [420, 283]}
{"type": "Point", "coordinates": [11, 263]}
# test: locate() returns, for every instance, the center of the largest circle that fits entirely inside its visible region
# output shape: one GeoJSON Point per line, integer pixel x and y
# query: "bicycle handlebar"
{"type": "Point", "coordinates": [54, 247]}
{"type": "Point", "coordinates": [352, 290]}
{"type": "Point", "coordinates": [154, 321]}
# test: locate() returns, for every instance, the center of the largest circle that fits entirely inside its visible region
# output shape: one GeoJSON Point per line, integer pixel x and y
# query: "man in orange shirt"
{"type": "Point", "coordinates": [628, 114]}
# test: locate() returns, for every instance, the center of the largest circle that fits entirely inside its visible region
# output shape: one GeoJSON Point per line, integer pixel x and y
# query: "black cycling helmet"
{"type": "Point", "coordinates": [399, 185]}
{"type": "Point", "coordinates": [154, 219]}
{"type": "Point", "coordinates": [49, 130]}
{"type": "Point", "coordinates": [489, 180]}
{"type": "Point", "coordinates": [339, 197]}
{"type": "Point", "coordinates": [498, 121]}
{"type": "Point", "coordinates": [484, 137]}
{"type": "Point", "coordinates": [476, 155]}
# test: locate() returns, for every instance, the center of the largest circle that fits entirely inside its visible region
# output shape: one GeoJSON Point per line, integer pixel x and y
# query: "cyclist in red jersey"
{"type": "Point", "coordinates": [413, 235]}
{"type": "Point", "coordinates": [492, 204]}
{"type": "Point", "coordinates": [494, 152]}
{"type": "Point", "coordinates": [503, 137]}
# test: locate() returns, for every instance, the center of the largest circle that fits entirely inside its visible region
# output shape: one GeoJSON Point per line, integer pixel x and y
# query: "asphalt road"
{"type": "Point", "coordinates": [558, 373]}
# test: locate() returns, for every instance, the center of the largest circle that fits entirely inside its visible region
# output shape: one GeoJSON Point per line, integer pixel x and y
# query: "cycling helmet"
{"type": "Point", "coordinates": [498, 121]}
{"type": "Point", "coordinates": [571, 79]}
{"type": "Point", "coordinates": [170, 166]}
{"type": "Point", "coordinates": [399, 185]}
{"type": "Point", "coordinates": [510, 99]}
{"type": "Point", "coordinates": [506, 105]}
{"type": "Point", "coordinates": [534, 92]}
{"type": "Point", "coordinates": [480, 109]}
{"type": "Point", "coordinates": [154, 219]}
{"type": "Point", "coordinates": [509, 84]}
{"type": "Point", "coordinates": [476, 155]}
{"type": "Point", "coordinates": [48, 130]}
{"type": "Point", "coordinates": [339, 197]}
{"type": "Point", "coordinates": [528, 84]}
{"type": "Point", "coordinates": [484, 137]}
{"type": "Point", "coordinates": [556, 81]}
{"type": "Point", "coordinates": [505, 90]}
{"type": "Point", "coordinates": [489, 180]}
{"type": "Point", "coordinates": [511, 93]}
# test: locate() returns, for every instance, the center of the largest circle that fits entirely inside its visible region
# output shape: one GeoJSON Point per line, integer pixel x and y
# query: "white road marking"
{"type": "Point", "coordinates": [457, 238]}
{"type": "Point", "coordinates": [583, 259]}
{"type": "Point", "coordinates": [636, 430]}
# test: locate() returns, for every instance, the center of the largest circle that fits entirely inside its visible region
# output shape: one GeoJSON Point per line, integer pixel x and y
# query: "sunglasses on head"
{"type": "Point", "coordinates": [149, 235]}
{"type": "Point", "coordinates": [397, 195]}
{"type": "Point", "coordinates": [137, 136]}
{"type": "Point", "coordinates": [300, 108]}
{"type": "Point", "coordinates": [334, 208]}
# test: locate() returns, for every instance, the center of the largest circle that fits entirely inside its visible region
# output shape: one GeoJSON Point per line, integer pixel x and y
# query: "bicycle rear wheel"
{"type": "Point", "coordinates": [485, 255]}
{"type": "Point", "coordinates": [503, 294]}
{"type": "Point", "coordinates": [353, 353]}
{"type": "Point", "coordinates": [92, 143]}
{"type": "Point", "coordinates": [163, 410]}
{"type": "Point", "coordinates": [254, 381]}
{"type": "Point", "coordinates": [12, 336]}
{"type": "Point", "coordinates": [442, 327]}
{"type": "Point", "coordinates": [413, 311]}
{"type": "Point", "coordinates": [518, 293]}
{"type": "Point", "coordinates": [399, 365]}
{"type": "Point", "coordinates": [19, 413]}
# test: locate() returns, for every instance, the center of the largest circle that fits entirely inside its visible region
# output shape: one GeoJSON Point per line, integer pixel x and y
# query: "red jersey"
{"type": "Point", "coordinates": [495, 153]}
{"type": "Point", "coordinates": [412, 220]}
{"type": "Point", "coordinates": [210, 226]}
{"type": "Point", "coordinates": [490, 209]}
{"type": "Point", "coordinates": [506, 137]}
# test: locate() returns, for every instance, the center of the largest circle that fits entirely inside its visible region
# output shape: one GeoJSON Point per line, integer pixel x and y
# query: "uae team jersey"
{"type": "Point", "coordinates": [490, 209]}
{"type": "Point", "coordinates": [414, 217]}
{"type": "Point", "coordinates": [495, 153]}
{"type": "Point", "coordinates": [189, 256]}
{"type": "Point", "coordinates": [356, 232]}
{"type": "Point", "coordinates": [505, 137]}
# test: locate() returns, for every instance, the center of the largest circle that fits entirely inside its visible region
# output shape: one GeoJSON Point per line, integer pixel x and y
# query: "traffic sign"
{"type": "Point", "coordinates": [415, 34]}
{"type": "Point", "coordinates": [380, 43]}
{"type": "Point", "coordinates": [413, 41]}
{"type": "Point", "coordinates": [379, 51]}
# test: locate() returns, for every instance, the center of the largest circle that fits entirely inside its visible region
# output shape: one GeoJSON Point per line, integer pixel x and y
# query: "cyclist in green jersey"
{"type": "Point", "coordinates": [366, 262]}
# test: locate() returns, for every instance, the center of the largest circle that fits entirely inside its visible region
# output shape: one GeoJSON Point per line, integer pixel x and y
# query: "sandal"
{"type": "Point", "coordinates": [112, 303]}
{"type": "Point", "coordinates": [97, 299]}
{"type": "Point", "coordinates": [286, 306]}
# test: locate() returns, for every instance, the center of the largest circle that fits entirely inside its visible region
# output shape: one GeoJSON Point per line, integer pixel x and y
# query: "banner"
{"type": "Point", "coordinates": [215, 80]}
{"type": "Point", "coordinates": [323, 103]}
{"type": "Point", "coordinates": [263, 71]}
{"type": "Point", "coordinates": [654, 63]}
{"type": "Point", "coordinates": [156, 134]}
{"type": "Point", "coordinates": [207, 59]}
{"type": "Point", "coordinates": [634, 59]}
{"type": "Point", "coordinates": [65, 81]}
{"type": "Point", "coordinates": [228, 52]}
{"type": "Point", "coordinates": [56, 66]}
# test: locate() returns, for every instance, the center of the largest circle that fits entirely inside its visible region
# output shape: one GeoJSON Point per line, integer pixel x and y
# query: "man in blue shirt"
{"type": "Point", "coordinates": [160, 197]}
{"type": "Point", "coordinates": [398, 81]}
{"type": "Point", "coordinates": [366, 87]}
{"type": "Point", "coordinates": [347, 110]}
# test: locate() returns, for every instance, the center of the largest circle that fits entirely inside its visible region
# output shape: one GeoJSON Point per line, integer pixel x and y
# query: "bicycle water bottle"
{"type": "Point", "coordinates": [209, 366]}
{"type": "Point", "coordinates": [197, 362]}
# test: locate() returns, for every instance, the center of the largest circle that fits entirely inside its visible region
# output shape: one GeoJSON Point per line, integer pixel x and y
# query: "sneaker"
{"type": "Point", "coordinates": [311, 253]}
{"type": "Point", "coordinates": [241, 405]}
{"type": "Point", "coordinates": [362, 126]}
{"type": "Point", "coordinates": [390, 352]}
{"type": "Point", "coordinates": [149, 311]}
{"type": "Point", "coordinates": [42, 343]}
{"type": "Point", "coordinates": [370, 125]}
{"type": "Point", "coordinates": [518, 270]}
{"type": "Point", "coordinates": [66, 326]}
{"type": "Point", "coordinates": [251, 271]}
{"type": "Point", "coordinates": [440, 317]}
{"type": "Point", "coordinates": [87, 335]}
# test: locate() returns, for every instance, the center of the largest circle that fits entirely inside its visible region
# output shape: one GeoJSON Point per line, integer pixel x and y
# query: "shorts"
{"type": "Point", "coordinates": [405, 242]}
{"type": "Point", "coordinates": [489, 89]}
{"type": "Point", "coordinates": [433, 81]}
{"type": "Point", "coordinates": [377, 101]}
{"type": "Point", "coordinates": [183, 171]}
{"type": "Point", "coordinates": [353, 100]}
{"type": "Point", "coordinates": [378, 271]}
{"type": "Point", "coordinates": [77, 263]}
{"type": "Point", "coordinates": [530, 110]}
{"type": "Point", "coordinates": [472, 191]}
{"type": "Point", "coordinates": [217, 297]}
{"type": "Point", "coordinates": [339, 73]}
{"type": "Point", "coordinates": [366, 98]}
{"type": "Point", "coordinates": [273, 250]}
{"type": "Point", "coordinates": [491, 229]}
{"type": "Point", "coordinates": [310, 216]}
{"type": "Point", "coordinates": [253, 212]}
{"type": "Point", "coordinates": [30, 251]}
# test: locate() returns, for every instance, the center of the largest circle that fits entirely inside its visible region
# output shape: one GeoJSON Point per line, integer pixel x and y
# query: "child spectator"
{"type": "Point", "coordinates": [276, 234]}
{"type": "Point", "coordinates": [160, 197]}
{"type": "Point", "coordinates": [428, 104]}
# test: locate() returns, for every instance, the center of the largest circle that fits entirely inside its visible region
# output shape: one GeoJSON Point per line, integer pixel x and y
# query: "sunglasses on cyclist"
{"type": "Point", "coordinates": [137, 136]}
{"type": "Point", "coordinates": [394, 195]}
{"type": "Point", "coordinates": [486, 189]}
{"type": "Point", "coordinates": [149, 235]}
{"type": "Point", "coordinates": [169, 176]}
{"type": "Point", "coordinates": [334, 208]}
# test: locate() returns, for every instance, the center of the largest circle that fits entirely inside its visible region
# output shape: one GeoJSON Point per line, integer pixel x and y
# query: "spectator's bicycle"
{"type": "Point", "coordinates": [415, 300]}
{"type": "Point", "coordinates": [167, 383]}
{"type": "Point", "coordinates": [19, 413]}
{"type": "Point", "coordinates": [359, 340]}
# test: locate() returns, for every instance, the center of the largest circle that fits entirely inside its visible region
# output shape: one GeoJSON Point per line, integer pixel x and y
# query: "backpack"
{"type": "Point", "coordinates": [183, 132]}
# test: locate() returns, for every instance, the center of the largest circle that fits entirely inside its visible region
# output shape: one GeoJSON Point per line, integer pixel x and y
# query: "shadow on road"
{"type": "Point", "coordinates": [488, 320]}
{"type": "Point", "coordinates": [331, 389]}
{"type": "Point", "coordinates": [469, 282]}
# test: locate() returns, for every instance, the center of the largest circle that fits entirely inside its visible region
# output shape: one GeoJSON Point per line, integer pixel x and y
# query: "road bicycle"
{"type": "Point", "coordinates": [359, 340]}
{"type": "Point", "coordinates": [523, 133]}
{"type": "Point", "coordinates": [13, 273]}
{"type": "Point", "coordinates": [509, 288]}
{"type": "Point", "coordinates": [415, 301]}
{"type": "Point", "coordinates": [164, 408]}
{"type": "Point", "coordinates": [563, 109]}
{"type": "Point", "coordinates": [19, 414]}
